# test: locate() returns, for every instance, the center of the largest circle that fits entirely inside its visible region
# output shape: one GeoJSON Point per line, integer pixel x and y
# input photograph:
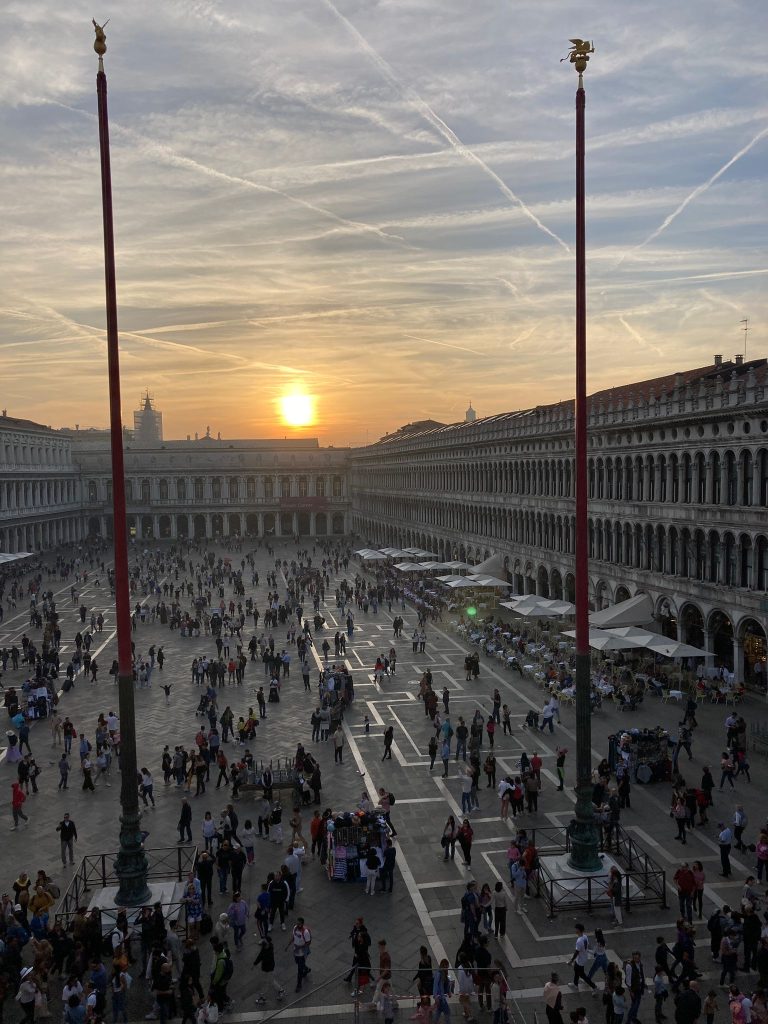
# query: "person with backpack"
{"type": "Point", "coordinates": [386, 801]}
{"type": "Point", "coordinates": [301, 939]}
{"type": "Point", "coordinates": [222, 972]}
{"type": "Point", "coordinates": [739, 1005]}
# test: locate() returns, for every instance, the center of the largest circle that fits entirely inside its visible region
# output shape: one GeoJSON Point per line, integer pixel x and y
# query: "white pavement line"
{"type": "Point", "coordinates": [420, 800]}
{"type": "Point", "coordinates": [360, 660]}
{"type": "Point", "coordinates": [407, 875]}
{"type": "Point", "coordinates": [448, 796]}
{"type": "Point", "coordinates": [405, 733]}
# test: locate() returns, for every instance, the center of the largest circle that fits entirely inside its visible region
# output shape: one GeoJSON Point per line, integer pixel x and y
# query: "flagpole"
{"type": "Point", "coordinates": [583, 834]}
{"type": "Point", "coordinates": [131, 863]}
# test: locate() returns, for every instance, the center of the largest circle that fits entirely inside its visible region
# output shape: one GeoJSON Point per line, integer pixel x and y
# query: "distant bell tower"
{"type": "Point", "coordinates": [147, 424]}
{"type": "Point", "coordinates": [470, 415]}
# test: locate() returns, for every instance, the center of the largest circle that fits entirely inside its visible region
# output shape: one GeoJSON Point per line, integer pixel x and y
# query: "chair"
{"type": "Point", "coordinates": [666, 697]}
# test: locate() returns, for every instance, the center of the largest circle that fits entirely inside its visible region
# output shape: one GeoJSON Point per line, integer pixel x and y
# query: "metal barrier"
{"type": "Point", "coordinates": [643, 880]}
{"type": "Point", "coordinates": [98, 872]}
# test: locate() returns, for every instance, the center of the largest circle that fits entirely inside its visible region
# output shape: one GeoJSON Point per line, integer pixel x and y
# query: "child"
{"type": "Point", "coordinates": [248, 836]}
{"type": "Point", "coordinates": [367, 723]}
{"type": "Point", "coordinates": [423, 1011]}
{"type": "Point", "coordinates": [619, 1005]}
{"type": "Point", "coordinates": [387, 1003]}
{"type": "Point", "coordinates": [710, 1006]}
{"type": "Point", "coordinates": [660, 992]}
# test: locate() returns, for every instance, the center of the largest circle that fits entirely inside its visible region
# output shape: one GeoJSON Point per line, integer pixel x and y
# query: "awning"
{"type": "Point", "coordinates": [637, 611]}
{"type": "Point", "coordinates": [533, 607]}
{"type": "Point", "coordinates": [6, 557]}
{"type": "Point", "coordinates": [676, 649]}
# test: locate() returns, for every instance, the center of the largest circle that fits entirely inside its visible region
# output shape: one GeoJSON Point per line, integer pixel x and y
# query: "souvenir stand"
{"type": "Point", "coordinates": [645, 753]}
{"type": "Point", "coordinates": [350, 837]}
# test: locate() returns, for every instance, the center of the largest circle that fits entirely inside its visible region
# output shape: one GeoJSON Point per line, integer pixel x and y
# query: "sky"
{"type": "Point", "coordinates": [371, 202]}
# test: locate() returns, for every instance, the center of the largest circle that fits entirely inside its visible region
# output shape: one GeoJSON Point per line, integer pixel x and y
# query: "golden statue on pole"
{"type": "Point", "coordinates": [579, 54]}
{"type": "Point", "coordinates": [100, 44]}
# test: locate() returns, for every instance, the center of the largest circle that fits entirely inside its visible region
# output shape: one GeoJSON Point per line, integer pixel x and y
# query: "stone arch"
{"type": "Point", "coordinates": [621, 594]}
{"type": "Point", "coordinates": [665, 613]}
{"type": "Point", "coordinates": [720, 629]}
{"type": "Point", "coordinates": [542, 581]}
{"type": "Point", "coordinates": [164, 526]}
{"type": "Point", "coordinates": [556, 584]}
{"type": "Point", "coordinates": [603, 597]}
{"type": "Point", "coordinates": [691, 625]}
{"type": "Point", "coordinates": [200, 527]}
{"type": "Point", "coordinates": [182, 526]}
{"type": "Point", "coordinates": [752, 649]}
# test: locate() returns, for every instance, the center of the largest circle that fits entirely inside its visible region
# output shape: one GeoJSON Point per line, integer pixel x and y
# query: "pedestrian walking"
{"type": "Point", "coordinates": [68, 835]}
{"type": "Point", "coordinates": [580, 958]}
{"type": "Point", "coordinates": [389, 735]}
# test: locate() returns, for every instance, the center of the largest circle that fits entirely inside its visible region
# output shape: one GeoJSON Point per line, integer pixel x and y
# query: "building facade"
{"type": "Point", "coordinates": [40, 498]}
{"type": "Point", "coordinates": [678, 501]}
{"type": "Point", "coordinates": [213, 488]}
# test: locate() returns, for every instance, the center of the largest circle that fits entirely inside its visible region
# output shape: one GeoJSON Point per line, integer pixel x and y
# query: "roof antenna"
{"type": "Point", "coordinates": [745, 328]}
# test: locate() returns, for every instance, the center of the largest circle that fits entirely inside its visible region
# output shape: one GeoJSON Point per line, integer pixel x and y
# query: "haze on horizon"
{"type": "Point", "coordinates": [370, 203]}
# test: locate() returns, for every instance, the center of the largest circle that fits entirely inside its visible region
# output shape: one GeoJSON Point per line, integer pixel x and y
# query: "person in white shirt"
{"type": "Point", "coordinates": [580, 959]}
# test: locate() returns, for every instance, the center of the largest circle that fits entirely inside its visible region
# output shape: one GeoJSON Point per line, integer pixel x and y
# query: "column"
{"type": "Point", "coordinates": [208, 517]}
{"type": "Point", "coordinates": [709, 648]}
{"type": "Point", "coordinates": [740, 482]}
{"type": "Point", "coordinates": [738, 659]}
{"type": "Point", "coordinates": [295, 523]}
{"type": "Point", "coordinates": [225, 525]}
{"type": "Point", "coordinates": [710, 482]}
{"type": "Point", "coordinates": [260, 523]}
{"type": "Point", "coordinates": [156, 527]}
{"type": "Point", "coordinates": [103, 526]}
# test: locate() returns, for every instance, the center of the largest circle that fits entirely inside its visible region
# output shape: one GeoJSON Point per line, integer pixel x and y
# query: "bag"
{"type": "Point", "coordinates": [391, 798]}
{"type": "Point", "coordinates": [444, 841]}
{"type": "Point", "coordinates": [229, 969]}
{"type": "Point", "coordinates": [206, 924]}
{"type": "Point", "coordinates": [128, 979]}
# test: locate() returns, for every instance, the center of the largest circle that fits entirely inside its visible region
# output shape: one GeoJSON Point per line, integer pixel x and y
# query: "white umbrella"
{"type": "Point", "coordinates": [421, 553]}
{"type": "Point", "coordinates": [538, 607]}
{"type": "Point", "coordinates": [449, 578]}
{"type": "Point", "coordinates": [433, 565]}
{"type": "Point", "coordinates": [373, 556]}
{"type": "Point", "coordinates": [409, 567]}
{"type": "Point", "coordinates": [599, 640]}
{"type": "Point", "coordinates": [489, 581]}
{"type": "Point", "coordinates": [458, 565]}
{"type": "Point", "coordinates": [640, 637]}
{"type": "Point", "coordinates": [676, 649]}
{"type": "Point", "coordinates": [462, 581]}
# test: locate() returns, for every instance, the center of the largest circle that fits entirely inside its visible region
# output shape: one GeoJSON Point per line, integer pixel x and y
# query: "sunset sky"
{"type": "Point", "coordinates": [371, 202]}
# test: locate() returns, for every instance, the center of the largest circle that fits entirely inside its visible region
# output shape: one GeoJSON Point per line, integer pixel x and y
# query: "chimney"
{"type": "Point", "coordinates": [718, 360]}
{"type": "Point", "coordinates": [738, 359]}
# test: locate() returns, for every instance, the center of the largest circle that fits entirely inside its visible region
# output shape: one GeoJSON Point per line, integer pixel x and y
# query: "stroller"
{"type": "Point", "coordinates": [532, 720]}
{"type": "Point", "coordinates": [202, 707]}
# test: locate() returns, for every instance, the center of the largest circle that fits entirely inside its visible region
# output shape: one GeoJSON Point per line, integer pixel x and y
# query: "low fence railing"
{"type": "Point", "coordinates": [643, 880]}
{"type": "Point", "coordinates": [98, 871]}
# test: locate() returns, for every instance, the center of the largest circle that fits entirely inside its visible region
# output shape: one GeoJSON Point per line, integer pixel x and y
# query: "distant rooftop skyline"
{"type": "Point", "coordinates": [370, 206]}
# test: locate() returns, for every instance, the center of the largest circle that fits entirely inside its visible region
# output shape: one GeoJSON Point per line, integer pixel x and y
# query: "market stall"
{"type": "Point", "coordinates": [350, 837]}
{"type": "Point", "coordinates": [644, 752]}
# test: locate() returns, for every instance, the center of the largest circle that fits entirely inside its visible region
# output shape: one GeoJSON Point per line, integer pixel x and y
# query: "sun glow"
{"type": "Point", "coordinates": [297, 409]}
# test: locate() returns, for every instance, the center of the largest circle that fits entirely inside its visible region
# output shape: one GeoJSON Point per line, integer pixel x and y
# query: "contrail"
{"type": "Point", "coordinates": [437, 123]}
{"type": "Point", "coordinates": [639, 338]}
{"type": "Point", "coordinates": [700, 190]}
{"type": "Point", "coordinates": [170, 156]}
{"type": "Point", "coordinates": [445, 344]}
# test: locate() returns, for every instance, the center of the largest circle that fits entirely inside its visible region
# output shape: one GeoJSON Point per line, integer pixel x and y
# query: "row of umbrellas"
{"type": "Point", "coordinates": [623, 637]}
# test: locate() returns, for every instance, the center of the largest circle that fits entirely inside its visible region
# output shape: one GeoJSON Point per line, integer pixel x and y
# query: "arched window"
{"type": "Point", "coordinates": [181, 489]}
{"type": "Point", "coordinates": [337, 487]}
{"type": "Point", "coordinates": [199, 488]}
{"type": "Point", "coordinates": [234, 488]}
{"type": "Point", "coordinates": [285, 487]}
{"type": "Point", "coordinates": [303, 487]}
{"type": "Point", "coordinates": [216, 488]}
{"type": "Point", "coordinates": [145, 492]}
{"type": "Point", "coordinates": [93, 491]}
{"type": "Point", "coordinates": [250, 487]}
{"type": "Point", "coordinates": [269, 487]}
{"type": "Point", "coordinates": [163, 490]}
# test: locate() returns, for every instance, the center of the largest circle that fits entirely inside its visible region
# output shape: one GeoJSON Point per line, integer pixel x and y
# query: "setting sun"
{"type": "Point", "coordinates": [297, 409]}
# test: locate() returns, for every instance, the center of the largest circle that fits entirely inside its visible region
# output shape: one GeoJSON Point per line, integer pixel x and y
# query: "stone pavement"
{"type": "Point", "coordinates": [424, 906]}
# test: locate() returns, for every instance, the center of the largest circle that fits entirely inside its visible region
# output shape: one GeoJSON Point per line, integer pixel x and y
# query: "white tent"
{"type": "Point", "coordinates": [458, 565]}
{"type": "Point", "coordinates": [639, 637]}
{"type": "Point", "coordinates": [532, 607]}
{"type": "Point", "coordinates": [675, 649]}
{"type": "Point", "coordinates": [433, 565]}
{"type": "Point", "coordinates": [493, 566]}
{"type": "Point", "coordinates": [450, 578]}
{"type": "Point", "coordinates": [409, 567]}
{"type": "Point", "coordinates": [488, 581]}
{"type": "Point", "coordinates": [601, 641]}
{"type": "Point", "coordinates": [462, 581]}
{"type": "Point", "coordinates": [637, 611]}
{"type": "Point", "coordinates": [6, 557]}
{"type": "Point", "coordinates": [421, 553]}
{"type": "Point", "coordinates": [373, 556]}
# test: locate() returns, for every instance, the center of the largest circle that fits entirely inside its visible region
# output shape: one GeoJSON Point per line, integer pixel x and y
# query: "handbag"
{"type": "Point", "coordinates": [444, 841]}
